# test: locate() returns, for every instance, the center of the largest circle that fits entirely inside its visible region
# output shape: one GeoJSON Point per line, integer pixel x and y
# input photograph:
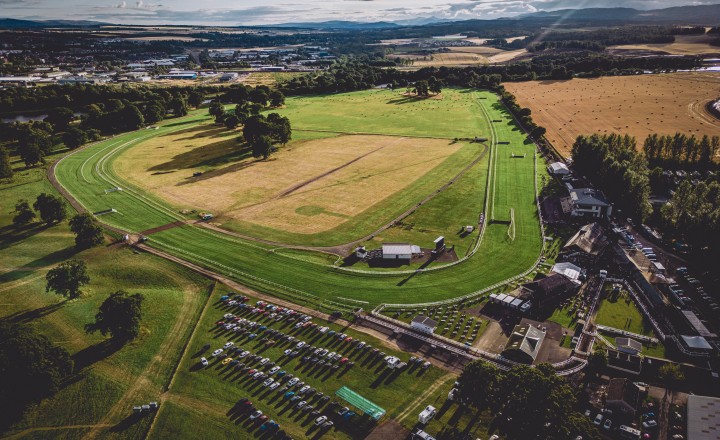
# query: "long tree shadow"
{"type": "Point", "coordinates": [26, 316]}
{"type": "Point", "coordinates": [10, 235]}
{"type": "Point", "coordinates": [95, 353]}
{"type": "Point", "coordinates": [30, 268]}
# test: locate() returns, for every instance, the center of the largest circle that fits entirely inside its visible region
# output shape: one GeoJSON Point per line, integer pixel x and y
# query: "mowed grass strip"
{"type": "Point", "coordinates": [250, 263]}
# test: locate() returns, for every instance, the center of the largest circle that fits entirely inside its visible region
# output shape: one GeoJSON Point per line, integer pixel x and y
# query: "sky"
{"type": "Point", "coordinates": [263, 12]}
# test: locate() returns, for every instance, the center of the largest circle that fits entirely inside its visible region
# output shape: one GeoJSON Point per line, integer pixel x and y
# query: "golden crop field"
{"type": "Point", "coordinates": [307, 187]}
{"type": "Point", "coordinates": [635, 105]}
{"type": "Point", "coordinates": [683, 45]}
{"type": "Point", "coordinates": [443, 59]}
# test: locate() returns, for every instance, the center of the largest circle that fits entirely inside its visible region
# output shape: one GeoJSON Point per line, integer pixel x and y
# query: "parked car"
{"type": "Point", "coordinates": [608, 424]}
{"type": "Point", "coordinates": [217, 352]}
{"type": "Point", "coordinates": [598, 419]}
{"type": "Point", "coordinates": [204, 362]}
{"type": "Point", "coordinates": [256, 414]}
{"type": "Point", "coordinates": [268, 382]}
{"type": "Point", "coordinates": [228, 345]}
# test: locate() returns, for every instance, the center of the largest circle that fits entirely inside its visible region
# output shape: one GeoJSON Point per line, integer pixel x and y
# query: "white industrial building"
{"type": "Point", "coordinates": [399, 251]}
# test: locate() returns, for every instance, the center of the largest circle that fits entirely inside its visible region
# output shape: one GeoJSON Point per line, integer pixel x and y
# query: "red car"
{"type": "Point", "coordinates": [348, 339]}
{"type": "Point", "coordinates": [251, 372]}
{"type": "Point", "coordinates": [343, 360]}
{"type": "Point", "coordinates": [220, 323]}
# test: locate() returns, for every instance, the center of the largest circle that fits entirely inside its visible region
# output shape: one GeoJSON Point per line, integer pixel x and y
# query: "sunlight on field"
{"type": "Point", "coordinates": [683, 45]}
{"type": "Point", "coordinates": [634, 105]}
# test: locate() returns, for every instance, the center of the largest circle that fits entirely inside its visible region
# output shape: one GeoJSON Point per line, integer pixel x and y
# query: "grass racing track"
{"type": "Point", "coordinates": [306, 277]}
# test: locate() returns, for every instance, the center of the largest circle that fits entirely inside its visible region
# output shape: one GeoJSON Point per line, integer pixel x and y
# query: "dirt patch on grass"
{"type": "Point", "coordinates": [307, 187]}
{"type": "Point", "coordinates": [634, 105]}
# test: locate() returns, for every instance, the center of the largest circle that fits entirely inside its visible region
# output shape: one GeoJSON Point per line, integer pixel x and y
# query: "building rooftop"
{"type": "Point", "coordinates": [588, 196]}
{"type": "Point", "coordinates": [703, 418]}
{"type": "Point", "coordinates": [422, 319]}
{"type": "Point", "coordinates": [589, 239]}
{"type": "Point", "coordinates": [623, 389]}
{"type": "Point", "coordinates": [526, 339]}
{"type": "Point", "coordinates": [697, 342]}
{"type": "Point", "coordinates": [399, 248]}
{"type": "Point", "coordinates": [628, 343]}
{"type": "Point", "coordinates": [558, 167]}
{"type": "Point", "coordinates": [624, 361]}
{"type": "Point", "coordinates": [697, 324]}
{"type": "Point", "coordinates": [570, 270]}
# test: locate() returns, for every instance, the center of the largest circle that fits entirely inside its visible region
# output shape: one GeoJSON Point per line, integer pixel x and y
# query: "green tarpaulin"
{"type": "Point", "coordinates": [360, 402]}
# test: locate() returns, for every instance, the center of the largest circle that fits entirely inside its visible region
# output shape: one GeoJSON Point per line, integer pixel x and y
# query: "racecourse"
{"type": "Point", "coordinates": [87, 174]}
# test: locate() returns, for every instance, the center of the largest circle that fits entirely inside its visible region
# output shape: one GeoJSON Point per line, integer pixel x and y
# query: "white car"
{"type": "Point", "coordinates": [255, 415]}
{"type": "Point", "coordinates": [217, 352]}
{"type": "Point", "coordinates": [244, 354]}
{"type": "Point", "coordinates": [293, 381]}
{"type": "Point", "coordinates": [204, 362]}
{"type": "Point", "coordinates": [320, 420]}
{"type": "Point", "coordinates": [228, 345]}
{"type": "Point", "coordinates": [331, 355]}
{"type": "Point", "coordinates": [268, 382]}
{"type": "Point", "coordinates": [264, 361]}
{"type": "Point", "coordinates": [300, 345]}
{"type": "Point", "coordinates": [608, 424]}
{"type": "Point", "coordinates": [274, 385]}
{"type": "Point", "coordinates": [301, 404]}
{"type": "Point", "coordinates": [288, 351]}
{"type": "Point", "coordinates": [304, 389]}
{"type": "Point", "coordinates": [274, 370]}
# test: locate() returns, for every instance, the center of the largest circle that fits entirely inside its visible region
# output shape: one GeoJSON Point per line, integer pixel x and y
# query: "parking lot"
{"type": "Point", "coordinates": [285, 365]}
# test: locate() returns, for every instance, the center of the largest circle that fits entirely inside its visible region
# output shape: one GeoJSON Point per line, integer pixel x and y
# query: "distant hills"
{"type": "Point", "coordinates": [707, 15]}
{"type": "Point", "coordinates": [12, 23]}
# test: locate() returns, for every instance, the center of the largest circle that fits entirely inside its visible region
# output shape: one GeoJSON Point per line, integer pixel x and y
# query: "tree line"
{"type": "Point", "coordinates": [524, 402]}
{"type": "Point", "coordinates": [613, 164]}
{"type": "Point", "coordinates": [681, 151]}
{"type": "Point", "coordinates": [693, 214]}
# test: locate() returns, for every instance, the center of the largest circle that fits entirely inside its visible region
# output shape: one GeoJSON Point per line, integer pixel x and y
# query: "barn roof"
{"type": "Point", "coordinates": [397, 248]}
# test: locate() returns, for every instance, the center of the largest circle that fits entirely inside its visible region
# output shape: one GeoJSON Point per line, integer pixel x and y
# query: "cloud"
{"type": "Point", "coordinates": [249, 12]}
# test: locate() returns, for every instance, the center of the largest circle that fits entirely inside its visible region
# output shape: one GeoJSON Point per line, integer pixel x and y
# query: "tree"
{"type": "Point", "coordinates": [87, 231]}
{"type": "Point", "coordinates": [277, 99]}
{"type": "Point", "coordinates": [216, 109]}
{"type": "Point", "coordinates": [280, 129]}
{"type": "Point", "coordinates": [231, 121]}
{"type": "Point", "coordinates": [434, 85]}
{"type": "Point", "coordinates": [422, 88]}
{"type": "Point", "coordinates": [74, 137]}
{"type": "Point", "coordinates": [6, 171]}
{"type": "Point", "coordinates": [51, 208]}
{"type": "Point", "coordinates": [30, 154]}
{"type": "Point", "coordinates": [672, 375]}
{"type": "Point", "coordinates": [154, 112]}
{"type": "Point", "coordinates": [479, 383]}
{"type": "Point", "coordinates": [60, 118]}
{"type": "Point", "coordinates": [597, 361]}
{"type": "Point", "coordinates": [31, 366]}
{"type": "Point", "coordinates": [262, 146]}
{"type": "Point", "coordinates": [196, 98]}
{"type": "Point", "coordinates": [67, 278]}
{"type": "Point", "coordinates": [179, 106]}
{"type": "Point", "coordinates": [119, 316]}
{"type": "Point", "coordinates": [24, 214]}
{"type": "Point", "coordinates": [259, 96]}
{"type": "Point", "coordinates": [255, 127]}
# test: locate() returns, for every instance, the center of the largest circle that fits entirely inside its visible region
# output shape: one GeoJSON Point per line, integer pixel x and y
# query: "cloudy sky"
{"type": "Point", "coordinates": [254, 12]}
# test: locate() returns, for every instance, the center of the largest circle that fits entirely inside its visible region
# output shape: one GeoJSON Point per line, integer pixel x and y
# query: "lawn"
{"type": "Point", "coordinates": [104, 384]}
{"type": "Point", "coordinates": [86, 175]}
{"type": "Point", "coordinates": [623, 314]}
{"type": "Point", "coordinates": [206, 396]}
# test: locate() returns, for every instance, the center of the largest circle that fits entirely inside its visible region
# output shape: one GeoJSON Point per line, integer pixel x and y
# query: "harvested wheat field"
{"type": "Point", "coordinates": [307, 187]}
{"type": "Point", "coordinates": [443, 59]}
{"type": "Point", "coordinates": [683, 45]}
{"type": "Point", "coordinates": [635, 105]}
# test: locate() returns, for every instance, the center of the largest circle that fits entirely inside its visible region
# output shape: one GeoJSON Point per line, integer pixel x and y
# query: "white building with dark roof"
{"type": "Point", "coordinates": [424, 324]}
{"type": "Point", "coordinates": [586, 202]}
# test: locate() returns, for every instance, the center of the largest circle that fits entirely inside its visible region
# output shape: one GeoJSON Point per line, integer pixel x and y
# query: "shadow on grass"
{"type": "Point", "coordinates": [30, 268]}
{"type": "Point", "coordinates": [9, 235]}
{"type": "Point", "coordinates": [95, 353]}
{"type": "Point", "coordinates": [26, 316]}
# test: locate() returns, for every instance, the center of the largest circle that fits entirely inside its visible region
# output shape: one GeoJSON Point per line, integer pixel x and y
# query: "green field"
{"type": "Point", "coordinates": [624, 315]}
{"type": "Point", "coordinates": [104, 381]}
{"type": "Point", "coordinates": [88, 173]}
{"type": "Point", "coordinates": [205, 396]}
